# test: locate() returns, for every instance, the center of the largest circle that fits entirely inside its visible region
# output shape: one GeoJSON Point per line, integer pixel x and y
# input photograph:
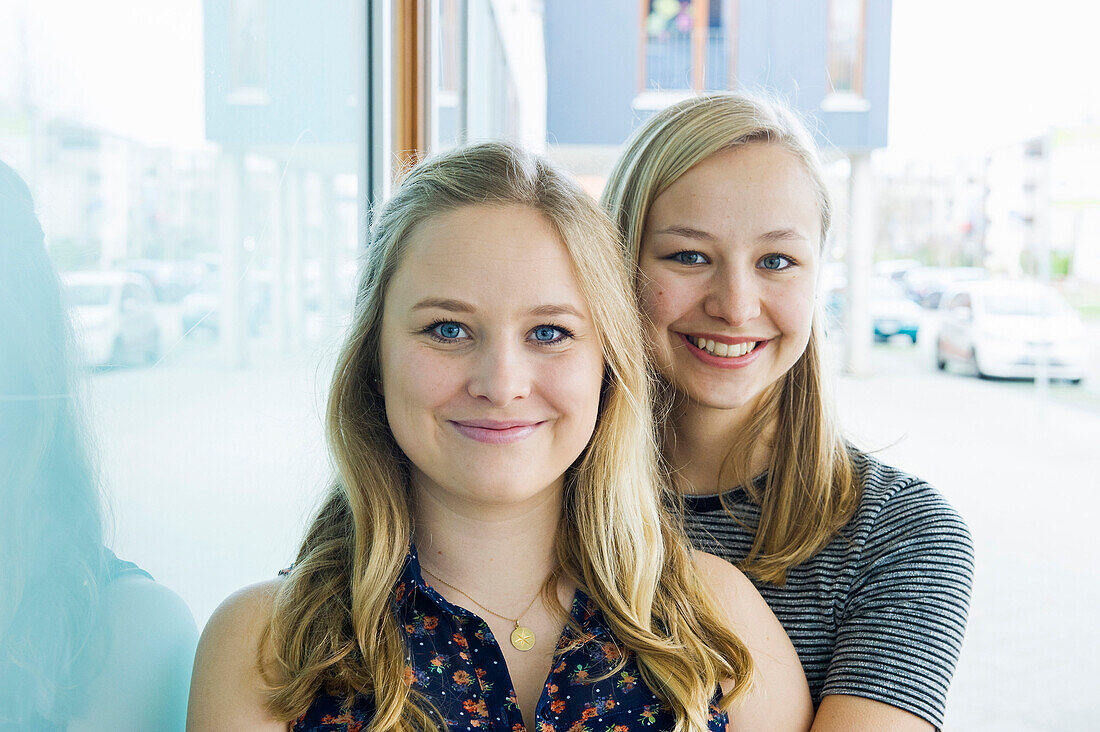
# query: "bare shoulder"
{"type": "Point", "coordinates": [747, 611]}
{"type": "Point", "coordinates": [245, 611]}
{"type": "Point", "coordinates": [724, 579]}
{"type": "Point", "coordinates": [779, 698]}
{"type": "Point", "coordinates": [227, 685]}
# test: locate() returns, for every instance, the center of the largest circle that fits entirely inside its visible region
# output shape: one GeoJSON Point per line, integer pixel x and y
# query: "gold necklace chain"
{"type": "Point", "coordinates": [523, 639]}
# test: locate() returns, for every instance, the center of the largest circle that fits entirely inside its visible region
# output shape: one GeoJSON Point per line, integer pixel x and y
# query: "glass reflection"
{"type": "Point", "coordinates": [88, 641]}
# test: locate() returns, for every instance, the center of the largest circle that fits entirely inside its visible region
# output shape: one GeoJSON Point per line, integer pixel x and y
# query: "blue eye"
{"type": "Point", "coordinates": [776, 262]}
{"type": "Point", "coordinates": [446, 331]}
{"type": "Point", "coordinates": [689, 258]}
{"type": "Point", "coordinates": [550, 334]}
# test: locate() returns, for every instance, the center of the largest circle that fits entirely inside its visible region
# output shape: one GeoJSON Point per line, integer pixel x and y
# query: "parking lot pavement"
{"type": "Point", "coordinates": [213, 473]}
{"type": "Point", "coordinates": [1024, 475]}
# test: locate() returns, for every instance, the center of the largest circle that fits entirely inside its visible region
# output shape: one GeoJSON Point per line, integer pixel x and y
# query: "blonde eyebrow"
{"type": "Point", "coordinates": [461, 306]}
{"type": "Point", "coordinates": [551, 310]}
{"type": "Point", "coordinates": [442, 303]}
{"type": "Point", "coordinates": [782, 235]}
{"type": "Point", "coordinates": [687, 232]}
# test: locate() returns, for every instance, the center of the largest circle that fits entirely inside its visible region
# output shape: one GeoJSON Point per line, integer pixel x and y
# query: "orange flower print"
{"type": "Point", "coordinates": [410, 676]}
{"type": "Point", "coordinates": [581, 674]}
{"type": "Point", "coordinates": [545, 727]}
{"type": "Point", "coordinates": [627, 681]}
{"type": "Point", "coordinates": [462, 678]}
{"type": "Point", "coordinates": [557, 706]}
{"type": "Point", "coordinates": [437, 663]}
{"type": "Point", "coordinates": [517, 727]}
{"type": "Point", "coordinates": [464, 655]}
{"type": "Point", "coordinates": [410, 629]}
{"type": "Point", "coordinates": [351, 725]}
{"type": "Point", "coordinates": [648, 715]}
{"type": "Point", "coordinates": [578, 727]}
{"type": "Point", "coordinates": [620, 728]}
{"type": "Point", "coordinates": [588, 713]}
{"type": "Point", "coordinates": [553, 688]}
{"type": "Point", "coordinates": [399, 593]}
{"type": "Point", "coordinates": [469, 705]}
{"type": "Point", "coordinates": [431, 622]}
{"type": "Point", "coordinates": [611, 651]}
{"type": "Point", "coordinates": [609, 705]}
{"type": "Point", "coordinates": [480, 673]}
{"type": "Point", "coordinates": [460, 640]}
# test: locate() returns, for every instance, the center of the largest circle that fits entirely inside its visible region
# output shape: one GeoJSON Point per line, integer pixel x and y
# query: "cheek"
{"type": "Point", "coordinates": [575, 388]}
{"type": "Point", "coordinates": [793, 308]}
{"type": "Point", "coordinates": [661, 301]}
{"type": "Point", "coordinates": [416, 380]}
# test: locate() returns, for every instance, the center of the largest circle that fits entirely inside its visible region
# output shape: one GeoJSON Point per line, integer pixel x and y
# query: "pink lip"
{"type": "Point", "coordinates": [725, 363]}
{"type": "Point", "coordinates": [495, 432]}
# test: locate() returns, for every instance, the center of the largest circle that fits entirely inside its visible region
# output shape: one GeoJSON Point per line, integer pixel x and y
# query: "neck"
{"type": "Point", "coordinates": [497, 554]}
{"type": "Point", "coordinates": [704, 437]}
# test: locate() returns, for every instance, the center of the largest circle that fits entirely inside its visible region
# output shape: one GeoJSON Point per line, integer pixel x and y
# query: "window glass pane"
{"type": "Point", "coordinates": [448, 70]}
{"type": "Point", "coordinates": [846, 45]}
{"type": "Point", "coordinates": [194, 171]}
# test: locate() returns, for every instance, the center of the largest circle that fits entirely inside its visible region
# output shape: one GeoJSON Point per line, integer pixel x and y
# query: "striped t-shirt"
{"type": "Point", "coordinates": [880, 611]}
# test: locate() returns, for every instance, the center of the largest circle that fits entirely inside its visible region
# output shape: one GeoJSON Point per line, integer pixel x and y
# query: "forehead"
{"type": "Point", "coordinates": [494, 257]}
{"type": "Point", "coordinates": [759, 184]}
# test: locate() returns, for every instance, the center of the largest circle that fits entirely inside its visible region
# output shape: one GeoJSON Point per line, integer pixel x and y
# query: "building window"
{"type": "Point", "coordinates": [845, 47]}
{"type": "Point", "coordinates": [248, 53]}
{"type": "Point", "coordinates": [686, 44]}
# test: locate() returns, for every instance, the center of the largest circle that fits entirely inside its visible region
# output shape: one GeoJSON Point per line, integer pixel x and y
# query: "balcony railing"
{"type": "Point", "coordinates": [669, 64]}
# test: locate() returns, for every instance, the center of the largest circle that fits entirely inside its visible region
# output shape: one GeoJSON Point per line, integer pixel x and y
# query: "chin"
{"type": "Point", "coordinates": [722, 401]}
{"type": "Point", "coordinates": [501, 490]}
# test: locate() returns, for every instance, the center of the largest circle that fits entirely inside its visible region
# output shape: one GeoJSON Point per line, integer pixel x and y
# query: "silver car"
{"type": "Point", "coordinates": [114, 317]}
{"type": "Point", "coordinates": [1010, 329]}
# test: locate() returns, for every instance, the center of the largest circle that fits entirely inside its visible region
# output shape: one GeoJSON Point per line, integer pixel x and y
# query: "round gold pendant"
{"type": "Point", "coordinates": [522, 638]}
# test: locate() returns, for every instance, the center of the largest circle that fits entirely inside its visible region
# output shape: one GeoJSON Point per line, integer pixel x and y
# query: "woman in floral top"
{"type": "Point", "coordinates": [495, 552]}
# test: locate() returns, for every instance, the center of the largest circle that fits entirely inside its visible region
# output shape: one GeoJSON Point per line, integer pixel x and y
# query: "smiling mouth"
{"type": "Point", "coordinates": [722, 350]}
{"type": "Point", "coordinates": [495, 433]}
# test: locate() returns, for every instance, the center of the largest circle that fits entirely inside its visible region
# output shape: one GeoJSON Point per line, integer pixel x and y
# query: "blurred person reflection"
{"type": "Point", "coordinates": [87, 641]}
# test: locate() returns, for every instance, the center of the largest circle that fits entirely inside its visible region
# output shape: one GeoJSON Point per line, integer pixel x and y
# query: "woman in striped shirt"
{"type": "Point", "coordinates": [720, 200]}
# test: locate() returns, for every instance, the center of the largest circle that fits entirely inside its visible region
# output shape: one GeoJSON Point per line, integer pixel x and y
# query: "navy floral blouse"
{"type": "Point", "coordinates": [457, 664]}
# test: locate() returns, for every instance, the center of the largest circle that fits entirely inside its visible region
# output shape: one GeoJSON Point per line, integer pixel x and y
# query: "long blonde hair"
{"type": "Point", "coordinates": [333, 625]}
{"type": "Point", "coordinates": [811, 489]}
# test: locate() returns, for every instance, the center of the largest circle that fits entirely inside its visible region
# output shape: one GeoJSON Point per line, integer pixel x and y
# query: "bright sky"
{"type": "Point", "coordinates": [130, 66]}
{"type": "Point", "coordinates": [965, 74]}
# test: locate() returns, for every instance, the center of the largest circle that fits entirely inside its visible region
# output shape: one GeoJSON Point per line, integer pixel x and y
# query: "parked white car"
{"type": "Point", "coordinates": [114, 318]}
{"type": "Point", "coordinates": [1006, 328]}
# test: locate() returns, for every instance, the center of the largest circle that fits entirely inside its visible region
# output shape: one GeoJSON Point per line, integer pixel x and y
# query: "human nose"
{"type": "Point", "coordinates": [733, 296]}
{"type": "Point", "coordinates": [500, 374]}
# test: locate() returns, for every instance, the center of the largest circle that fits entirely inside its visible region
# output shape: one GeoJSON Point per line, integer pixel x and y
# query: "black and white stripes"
{"type": "Point", "coordinates": [880, 611]}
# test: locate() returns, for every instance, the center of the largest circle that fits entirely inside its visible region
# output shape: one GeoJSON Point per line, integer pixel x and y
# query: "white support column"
{"type": "Point", "coordinates": [230, 313]}
{"type": "Point", "coordinates": [293, 228]}
{"type": "Point", "coordinates": [278, 236]}
{"type": "Point", "coordinates": [860, 251]}
{"type": "Point", "coordinates": [329, 231]}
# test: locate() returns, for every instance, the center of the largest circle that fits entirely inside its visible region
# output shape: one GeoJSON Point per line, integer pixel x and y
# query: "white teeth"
{"type": "Point", "coordinates": [724, 350]}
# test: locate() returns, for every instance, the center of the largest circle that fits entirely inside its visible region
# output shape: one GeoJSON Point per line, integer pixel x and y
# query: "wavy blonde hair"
{"type": "Point", "coordinates": [811, 489]}
{"type": "Point", "coordinates": [333, 626]}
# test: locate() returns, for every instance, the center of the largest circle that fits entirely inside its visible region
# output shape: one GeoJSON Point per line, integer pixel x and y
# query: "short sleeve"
{"type": "Point", "coordinates": [901, 627]}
